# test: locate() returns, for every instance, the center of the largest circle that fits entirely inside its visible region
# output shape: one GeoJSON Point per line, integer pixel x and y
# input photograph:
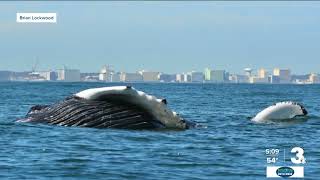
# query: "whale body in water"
{"type": "Point", "coordinates": [109, 107]}
{"type": "Point", "coordinates": [281, 111]}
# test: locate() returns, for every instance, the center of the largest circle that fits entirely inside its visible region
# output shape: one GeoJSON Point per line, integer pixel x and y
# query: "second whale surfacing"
{"type": "Point", "coordinates": [109, 107]}
{"type": "Point", "coordinates": [281, 111]}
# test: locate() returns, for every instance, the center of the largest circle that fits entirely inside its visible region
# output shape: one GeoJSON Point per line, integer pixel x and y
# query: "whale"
{"type": "Point", "coordinates": [121, 107]}
{"type": "Point", "coordinates": [281, 111]}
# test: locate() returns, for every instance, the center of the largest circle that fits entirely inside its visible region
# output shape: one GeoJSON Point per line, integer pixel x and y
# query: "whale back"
{"type": "Point", "coordinates": [109, 107]}
{"type": "Point", "coordinates": [128, 95]}
{"type": "Point", "coordinates": [281, 111]}
{"type": "Point", "coordinates": [75, 111]}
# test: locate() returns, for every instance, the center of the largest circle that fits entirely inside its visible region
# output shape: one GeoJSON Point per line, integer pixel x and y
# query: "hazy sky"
{"type": "Point", "coordinates": [163, 36]}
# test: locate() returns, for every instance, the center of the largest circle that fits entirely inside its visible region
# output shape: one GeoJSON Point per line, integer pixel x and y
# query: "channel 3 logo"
{"type": "Point", "coordinates": [299, 158]}
{"type": "Point", "coordinates": [295, 171]}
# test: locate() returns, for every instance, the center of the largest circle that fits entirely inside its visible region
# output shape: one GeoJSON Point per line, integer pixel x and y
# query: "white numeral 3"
{"type": "Point", "coordinates": [299, 158]}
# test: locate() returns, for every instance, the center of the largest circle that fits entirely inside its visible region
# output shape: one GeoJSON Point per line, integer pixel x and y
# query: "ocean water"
{"type": "Point", "coordinates": [227, 146]}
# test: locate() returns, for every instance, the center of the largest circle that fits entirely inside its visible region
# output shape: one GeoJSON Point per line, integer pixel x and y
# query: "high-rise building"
{"type": "Point", "coordinates": [235, 78]}
{"type": "Point", "coordinates": [105, 74]}
{"type": "Point", "coordinates": [262, 73]}
{"type": "Point", "coordinates": [179, 78]}
{"type": "Point", "coordinates": [167, 77]}
{"type": "Point", "coordinates": [261, 78]}
{"type": "Point", "coordinates": [274, 79]}
{"type": "Point", "coordinates": [68, 75]}
{"type": "Point", "coordinates": [131, 77]}
{"type": "Point", "coordinates": [283, 74]}
{"type": "Point", "coordinates": [218, 76]}
{"type": "Point", "coordinates": [115, 77]}
{"type": "Point", "coordinates": [5, 75]}
{"type": "Point", "coordinates": [149, 76]}
{"type": "Point", "coordinates": [207, 74]}
{"type": "Point", "coordinates": [314, 78]}
{"type": "Point", "coordinates": [48, 75]}
{"type": "Point", "coordinates": [248, 72]}
{"type": "Point", "coordinates": [197, 76]}
{"type": "Point", "coordinates": [186, 77]}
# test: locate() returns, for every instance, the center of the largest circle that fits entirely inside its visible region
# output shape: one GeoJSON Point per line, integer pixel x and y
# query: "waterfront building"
{"type": "Point", "coordinates": [105, 74]}
{"type": "Point", "coordinates": [258, 80]}
{"type": "Point", "coordinates": [186, 77]}
{"type": "Point", "coordinates": [20, 76]}
{"type": "Point", "coordinates": [149, 76]}
{"type": "Point", "coordinates": [226, 77]}
{"type": "Point", "coordinates": [262, 73]}
{"type": "Point", "coordinates": [261, 78]}
{"type": "Point", "coordinates": [35, 76]}
{"type": "Point", "coordinates": [314, 78]}
{"type": "Point", "coordinates": [219, 76]}
{"type": "Point", "coordinates": [274, 79]}
{"type": "Point", "coordinates": [68, 75]}
{"type": "Point", "coordinates": [167, 77]}
{"type": "Point", "coordinates": [300, 78]}
{"type": "Point", "coordinates": [115, 77]}
{"type": "Point", "coordinates": [48, 75]}
{"type": "Point", "coordinates": [233, 78]}
{"type": "Point", "coordinates": [122, 76]}
{"type": "Point", "coordinates": [131, 77]}
{"type": "Point", "coordinates": [248, 72]}
{"type": "Point", "coordinates": [283, 74]}
{"type": "Point", "coordinates": [179, 78]}
{"type": "Point", "coordinates": [207, 74]}
{"type": "Point", "coordinates": [197, 76]}
{"type": "Point", "coordinates": [5, 75]}
{"type": "Point", "coordinates": [243, 79]}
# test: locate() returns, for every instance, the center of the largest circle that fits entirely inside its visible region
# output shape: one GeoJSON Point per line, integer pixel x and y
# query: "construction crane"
{"type": "Point", "coordinates": [34, 66]}
{"type": "Point", "coordinates": [34, 74]}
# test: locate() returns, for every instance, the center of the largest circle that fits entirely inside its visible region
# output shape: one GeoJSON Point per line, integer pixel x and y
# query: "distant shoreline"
{"type": "Point", "coordinates": [202, 83]}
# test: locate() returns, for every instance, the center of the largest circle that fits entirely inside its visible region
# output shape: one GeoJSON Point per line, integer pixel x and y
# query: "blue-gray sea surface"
{"type": "Point", "coordinates": [228, 146]}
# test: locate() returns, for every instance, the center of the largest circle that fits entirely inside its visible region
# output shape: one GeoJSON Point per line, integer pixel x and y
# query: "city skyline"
{"type": "Point", "coordinates": [208, 75]}
{"type": "Point", "coordinates": [255, 70]}
{"type": "Point", "coordinates": [163, 36]}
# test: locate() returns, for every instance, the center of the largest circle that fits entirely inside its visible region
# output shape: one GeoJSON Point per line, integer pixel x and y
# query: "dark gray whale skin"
{"type": "Point", "coordinates": [75, 111]}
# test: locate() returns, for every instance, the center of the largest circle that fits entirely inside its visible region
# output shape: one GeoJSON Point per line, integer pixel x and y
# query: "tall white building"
{"type": "Point", "coordinates": [48, 75]}
{"type": "Point", "coordinates": [314, 78]}
{"type": "Point", "coordinates": [131, 77]}
{"type": "Point", "coordinates": [179, 78]}
{"type": "Point", "coordinates": [68, 75]}
{"type": "Point", "coordinates": [186, 77]}
{"type": "Point", "coordinates": [105, 74]}
{"type": "Point", "coordinates": [207, 74]}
